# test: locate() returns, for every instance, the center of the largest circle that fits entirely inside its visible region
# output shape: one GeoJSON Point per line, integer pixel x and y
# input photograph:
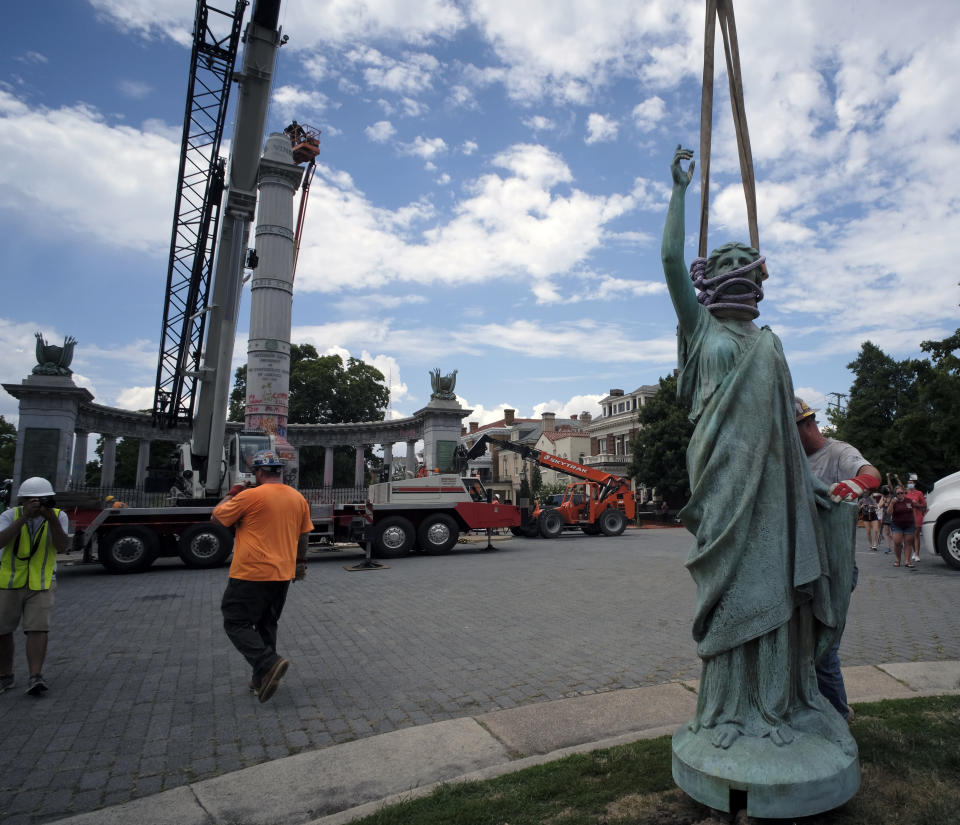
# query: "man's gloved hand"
{"type": "Point", "coordinates": [301, 573]}
{"type": "Point", "coordinates": [237, 488]}
{"type": "Point", "coordinates": [853, 488]}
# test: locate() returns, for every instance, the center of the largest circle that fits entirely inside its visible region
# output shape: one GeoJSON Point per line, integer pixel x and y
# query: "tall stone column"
{"type": "Point", "coordinates": [78, 475]}
{"type": "Point", "coordinates": [109, 468]}
{"type": "Point", "coordinates": [271, 300]}
{"type": "Point", "coordinates": [143, 461]}
{"type": "Point", "coordinates": [388, 458]}
{"type": "Point", "coordinates": [359, 474]}
{"type": "Point", "coordinates": [328, 467]}
{"type": "Point", "coordinates": [411, 458]}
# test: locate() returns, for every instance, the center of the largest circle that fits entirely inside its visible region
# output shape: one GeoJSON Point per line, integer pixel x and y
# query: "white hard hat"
{"type": "Point", "coordinates": [35, 487]}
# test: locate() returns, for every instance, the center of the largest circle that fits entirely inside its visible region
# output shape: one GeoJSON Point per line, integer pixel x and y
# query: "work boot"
{"type": "Point", "coordinates": [6, 682]}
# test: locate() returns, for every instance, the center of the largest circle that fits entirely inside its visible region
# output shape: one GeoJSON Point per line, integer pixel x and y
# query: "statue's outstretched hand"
{"type": "Point", "coordinates": [682, 177]}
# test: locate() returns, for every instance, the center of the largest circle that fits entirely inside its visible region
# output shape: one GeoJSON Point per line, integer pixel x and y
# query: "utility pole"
{"type": "Point", "coordinates": [838, 396]}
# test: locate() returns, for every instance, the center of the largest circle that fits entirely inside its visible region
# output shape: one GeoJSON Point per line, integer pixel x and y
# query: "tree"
{"type": "Point", "coordinates": [324, 390]}
{"type": "Point", "coordinates": [8, 447]}
{"type": "Point", "coordinates": [127, 455]}
{"type": "Point", "coordinates": [660, 447]}
{"type": "Point", "coordinates": [901, 414]}
{"type": "Point", "coordinates": [536, 481]}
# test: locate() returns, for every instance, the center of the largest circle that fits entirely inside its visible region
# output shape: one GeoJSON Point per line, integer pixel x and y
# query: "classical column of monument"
{"type": "Point", "coordinates": [271, 300]}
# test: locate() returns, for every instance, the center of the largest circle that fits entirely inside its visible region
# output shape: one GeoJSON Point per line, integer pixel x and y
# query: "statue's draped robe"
{"type": "Point", "coordinates": [773, 559]}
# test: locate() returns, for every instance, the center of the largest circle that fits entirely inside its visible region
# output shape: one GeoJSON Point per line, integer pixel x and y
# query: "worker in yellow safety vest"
{"type": "Point", "coordinates": [31, 535]}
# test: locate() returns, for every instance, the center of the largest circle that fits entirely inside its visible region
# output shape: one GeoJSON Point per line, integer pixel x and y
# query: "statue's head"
{"type": "Point", "coordinates": [730, 280]}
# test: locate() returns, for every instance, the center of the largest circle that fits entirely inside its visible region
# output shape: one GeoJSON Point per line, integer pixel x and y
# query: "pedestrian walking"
{"type": "Point", "coordinates": [270, 549]}
{"type": "Point", "coordinates": [919, 500]}
{"type": "Point", "coordinates": [903, 527]}
{"type": "Point", "coordinates": [31, 534]}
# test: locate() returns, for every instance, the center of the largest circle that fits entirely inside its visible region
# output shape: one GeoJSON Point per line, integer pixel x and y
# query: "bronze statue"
{"type": "Point", "coordinates": [442, 386]}
{"type": "Point", "coordinates": [54, 360]}
{"type": "Point", "coordinates": [773, 556]}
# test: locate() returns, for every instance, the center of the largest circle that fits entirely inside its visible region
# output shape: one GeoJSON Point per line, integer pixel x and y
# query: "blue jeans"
{"type": "Point", "coordinates": [830, 681]}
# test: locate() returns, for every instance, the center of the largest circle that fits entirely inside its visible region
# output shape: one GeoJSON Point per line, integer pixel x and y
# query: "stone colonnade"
{"type": "Point", "coordinates": [57, 417]}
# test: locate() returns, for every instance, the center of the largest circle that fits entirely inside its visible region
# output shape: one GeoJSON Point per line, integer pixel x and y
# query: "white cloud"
{"type": "Point", "coordinates": [381, 131]}
{"type": "Point", "coordinates": [468, 147]}
{"type": "Point", "coordinates": [539, 123]}
{"type": "Point", "coordinates": [293, 101]}
{"type": "Point", "coordinates": [572, 406]}
{"type": "Point", "coordinates": [149, 19]}
{"type": "Point", "coordinates": [410, 76]}
{"type": "Point", "coordinates": [600, 129]}
{"type": "Point", "coordinates": [129, 173]}
{"type": "Point", "coordinates": [426, 148]}
{"type": "Point", "coordinates": [508, 225]}
{"type": "Point", "coordinates": [310, 24]}
{"type": "Point", "coordinates": [648, 114]}
{"type": "Point", "coordinates": [135, 398]}
{"type": "Point", "coordinates": [136, 89]}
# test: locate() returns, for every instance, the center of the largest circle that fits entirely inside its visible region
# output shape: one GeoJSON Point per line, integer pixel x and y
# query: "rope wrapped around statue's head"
{"type": "Point", "coordinates": [730, 289]}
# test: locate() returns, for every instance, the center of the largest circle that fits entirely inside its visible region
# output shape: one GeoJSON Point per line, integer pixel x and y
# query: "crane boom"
{"type": "Point", "coordinates": [262, 40]}
{"type": "Point", "coordinates": [608, 481]}
{"type": "Point", "coordinates": [196, 212]}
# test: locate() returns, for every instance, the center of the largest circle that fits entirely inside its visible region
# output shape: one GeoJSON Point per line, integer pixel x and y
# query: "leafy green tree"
{"type": "Point", "coordinates": [524, 491]}
{"type": "Point", "coordinates": [901, 414]}
{"type": "Point", "coordinates": [324, 390]}
{"type": "Point", "coordinates": [127, 454]}
{"type": "Point", "coordinates": [552, 489]}
{"type": "Point", "coordinates": [8, 447]}
{"type": "Point", "coordinates": [536, 481]}
{"type": "Point", "coordinates": [660, 447]}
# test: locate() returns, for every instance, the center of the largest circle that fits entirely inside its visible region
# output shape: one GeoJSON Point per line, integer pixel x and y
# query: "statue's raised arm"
{"type": "Point", "coordinates": [682, 292]}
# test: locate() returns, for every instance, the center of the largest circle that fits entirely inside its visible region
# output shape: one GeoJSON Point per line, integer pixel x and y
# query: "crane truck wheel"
{"type": "Point", "coordinates": [438, 533]}
{"type": "Point", "coordinates": [205, 545]}
{"type": "Point", "coordinates": [128, 549]}
{"type": "Point", "coordinates": [612, 522]}
{"type": "Point", "coordinates": [551, 524]}
{"type": "Point", "coordinates": [393, 537]}
{"type": "Point", "coordinates": [591, 529]}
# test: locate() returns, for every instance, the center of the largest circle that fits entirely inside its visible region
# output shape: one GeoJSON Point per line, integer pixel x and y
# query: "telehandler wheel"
{"type": "Point", "coordinates": [393, 537]}
{"type": "Point", "coordinates": [205, 545]}
{"type": "Point", "coordinates": [551, 524]}
{"type": "Point", "coordinates": [612, 522]}
{"type": "Point", "coordinates": [438, 533]}
{"type": "Point", "coordinates": [128, 549]}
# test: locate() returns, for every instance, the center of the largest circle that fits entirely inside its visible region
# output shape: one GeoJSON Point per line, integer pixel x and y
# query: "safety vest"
{"type": "Point", "coordinates": [28, 563]}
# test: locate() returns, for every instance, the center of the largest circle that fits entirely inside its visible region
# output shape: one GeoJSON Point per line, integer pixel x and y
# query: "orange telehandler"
{"type": "Point", "coordinates": [598, 503]}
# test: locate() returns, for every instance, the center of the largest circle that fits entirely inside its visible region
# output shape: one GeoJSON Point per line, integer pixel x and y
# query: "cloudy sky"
{"type": "Point", "coordinates": [492, 185]}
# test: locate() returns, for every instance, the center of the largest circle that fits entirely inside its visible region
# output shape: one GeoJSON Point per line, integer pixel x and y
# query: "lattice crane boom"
{"type": "Point", "coordinates": [200, 184]}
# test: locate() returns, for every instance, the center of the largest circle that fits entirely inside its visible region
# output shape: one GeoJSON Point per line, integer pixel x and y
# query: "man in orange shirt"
{"type": "Point", "coordinates": [272, 525]}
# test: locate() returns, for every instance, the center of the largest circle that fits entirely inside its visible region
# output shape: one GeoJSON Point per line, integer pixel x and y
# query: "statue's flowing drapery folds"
{"type": "Point", "coordinates": [773, 557]}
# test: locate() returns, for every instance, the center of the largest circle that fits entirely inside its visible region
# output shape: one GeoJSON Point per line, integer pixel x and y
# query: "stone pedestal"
{"type": "Point", "coordinates": [805, 777]}
{"type": "Point", "coordinates": [49, 405]}
{"type": "Point", "coordinates": [441, 433]}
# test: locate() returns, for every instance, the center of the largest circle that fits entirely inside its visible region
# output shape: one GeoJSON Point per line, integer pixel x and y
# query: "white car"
{"type": "Point", "coordinates": [941, 522]}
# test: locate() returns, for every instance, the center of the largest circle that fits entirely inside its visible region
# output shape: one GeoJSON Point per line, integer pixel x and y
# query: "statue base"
{"type": "Point", "coordinates": [807, 776]}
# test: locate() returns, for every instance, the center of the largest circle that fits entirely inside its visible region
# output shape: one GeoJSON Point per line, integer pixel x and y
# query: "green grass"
{"type": "Point", "coordinates": [909, 759]}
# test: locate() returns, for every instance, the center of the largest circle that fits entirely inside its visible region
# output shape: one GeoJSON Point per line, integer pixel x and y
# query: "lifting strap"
{"type": "Point", "coordinates": [723, 10]}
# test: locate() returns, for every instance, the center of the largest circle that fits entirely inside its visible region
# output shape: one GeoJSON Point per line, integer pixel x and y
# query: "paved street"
{"type": "Point", "coordinates": [147, 694]}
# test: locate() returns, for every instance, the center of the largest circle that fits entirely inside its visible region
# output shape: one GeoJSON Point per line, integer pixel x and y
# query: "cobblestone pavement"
{"type": "Point", "coordinates": [147, 694]}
